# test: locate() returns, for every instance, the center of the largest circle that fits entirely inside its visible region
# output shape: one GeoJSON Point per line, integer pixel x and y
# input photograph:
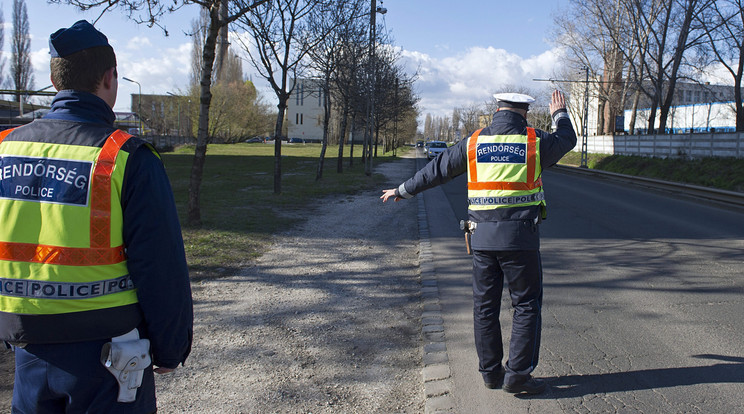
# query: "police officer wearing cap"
{"type": "Point", "coordinates": [94, 286]}
{"type": "Point", "coordinates": [506, 203]}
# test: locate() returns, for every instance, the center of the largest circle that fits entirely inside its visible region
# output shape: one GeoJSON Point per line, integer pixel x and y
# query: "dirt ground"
{"type": "Point", "coordinates": [328, 321]}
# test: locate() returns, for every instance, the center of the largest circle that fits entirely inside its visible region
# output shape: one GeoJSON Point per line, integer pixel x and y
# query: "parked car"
{"type": "Point", "coordinates": [256, 139]}
{"type": "Point", "coordinates": [435, 148]}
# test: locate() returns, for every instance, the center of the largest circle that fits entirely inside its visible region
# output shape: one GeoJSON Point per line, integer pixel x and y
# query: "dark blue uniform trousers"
{"type": "Point", "coordinates": [69, 378]}
{"type": "Point", "coordinates": [522, 271]}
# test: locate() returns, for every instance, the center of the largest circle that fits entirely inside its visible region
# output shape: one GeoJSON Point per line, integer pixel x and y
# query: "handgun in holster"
{"type": "Point", "coordinates": [126, 357]}
{"type": "Point", "coordinates": [467, 227]}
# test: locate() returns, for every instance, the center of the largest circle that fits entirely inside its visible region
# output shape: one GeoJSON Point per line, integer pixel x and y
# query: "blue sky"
{"type": "Point", "coordinates": [464, 50]}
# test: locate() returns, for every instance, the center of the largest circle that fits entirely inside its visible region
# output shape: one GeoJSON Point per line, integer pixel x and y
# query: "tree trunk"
{"type": "Point", "coordinates": [377, 137]}
{"type": "Point", "coordinates": [679, 51]}
{"type": "Point", "coordinates": [342, 135]}
{"type": "Point", "coordinates": [600, 115]}
{"type": "Point", "coordinates": [326, 120]}
{"type": "Point", "coordinates": [282, 106]}
{"type": "Point", "coordinates": [634, 112]}
{"type": "Point", "coordinates": [737, 94]}
{"type": "Point", "coordinates": [352, 138]}
{"type": "Point", "coordinates": [202, 136]}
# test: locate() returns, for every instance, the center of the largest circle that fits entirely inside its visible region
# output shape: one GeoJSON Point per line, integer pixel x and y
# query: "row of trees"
{"type": "Point", "coordinates": [289, 40]}
{"type": "Point", "coordinates": [237, 110]}
{"type": "Point", "coordinates": [641, 49]}
{"type": "Point", "coordinates": [465, 120]}
{"type": "Point", "coordinates": [21, 76]}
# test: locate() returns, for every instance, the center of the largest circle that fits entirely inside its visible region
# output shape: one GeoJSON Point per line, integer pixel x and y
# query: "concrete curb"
{"type": "Point", "coordinates": [436, 370]}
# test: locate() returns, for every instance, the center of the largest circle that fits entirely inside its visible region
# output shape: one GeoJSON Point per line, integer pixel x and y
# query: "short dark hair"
{"type": "Point", "coordinates": [83, 70]}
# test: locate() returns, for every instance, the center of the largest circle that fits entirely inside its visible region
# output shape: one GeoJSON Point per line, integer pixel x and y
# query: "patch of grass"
{"type": "Point", "coordinates": [722, 173]}
{"type": "Point", "coordinates": [239, 209]}
{"type": "Point", "coordinates": [574, 158]}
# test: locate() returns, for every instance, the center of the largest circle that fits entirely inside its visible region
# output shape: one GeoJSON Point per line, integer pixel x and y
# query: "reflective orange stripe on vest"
{"type": "Point", "coordinates": [100, 195]}
{"type": "Point", "coordinates": [5, 133]}
{"type": "Point", "coordinates": [99, 252]}
{"type": "Point", "coordinates": [531, 184]}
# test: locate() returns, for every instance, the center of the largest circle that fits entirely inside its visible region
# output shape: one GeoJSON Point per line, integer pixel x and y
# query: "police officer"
{"type": "Point", "coordinates": [93, 278]}
{"type": "Point", "coordinates": [505, 206]}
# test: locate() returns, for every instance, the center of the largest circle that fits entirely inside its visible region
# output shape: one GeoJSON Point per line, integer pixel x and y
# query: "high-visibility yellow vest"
{"type": "Point", "coordinates": [64, 252]}
{"type": "Point", "coordinates": [504, 171]}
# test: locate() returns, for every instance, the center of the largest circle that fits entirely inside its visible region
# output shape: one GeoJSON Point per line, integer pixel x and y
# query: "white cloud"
{"type": "Point", "coordinates": [138, 43]}
{"type": "Point", "coordinates": [470, 77]}
{"type": "Point", "coordinates": [717, 74]}
{"type": "Point", "coordinates": [166, 70]}
{"type": "Point", "coordinates": [40, 64]}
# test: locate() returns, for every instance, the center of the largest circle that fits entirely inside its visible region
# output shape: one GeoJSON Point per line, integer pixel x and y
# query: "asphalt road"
{"type": "Point", "coordinates": [643, 303]}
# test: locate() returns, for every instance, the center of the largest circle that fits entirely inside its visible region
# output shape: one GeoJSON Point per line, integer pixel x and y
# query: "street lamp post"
{"type": "Point", "coordinates": [139, 103]}
{"type": "Point", "coordinates": [178, 99]}
{"type": "Point", "coordinates": [372, 76]}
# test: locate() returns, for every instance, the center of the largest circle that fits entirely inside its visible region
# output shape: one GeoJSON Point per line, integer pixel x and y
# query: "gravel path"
{"type": "Point", "coordinates": [327, 321]}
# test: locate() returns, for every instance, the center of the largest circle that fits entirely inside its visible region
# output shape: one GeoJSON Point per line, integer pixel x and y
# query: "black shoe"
{"type": "Point", "coordinates": [531, 386]}
{"type": "Point", "coordinates": [495, 383]}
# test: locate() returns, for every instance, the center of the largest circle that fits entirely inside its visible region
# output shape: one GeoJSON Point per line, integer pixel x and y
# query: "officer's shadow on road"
{"type": "Point", "coordinates": [728, 370]}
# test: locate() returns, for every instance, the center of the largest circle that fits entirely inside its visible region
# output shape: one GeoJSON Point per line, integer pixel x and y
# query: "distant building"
{"type": "Point", "coordinates": [162, 114]}
{"type": "Point", "coordinates": [702, 117]}
{"type": "Point", "coordinates": [695, 106]}
{"type": "Point", "coordinates": [305, 111]}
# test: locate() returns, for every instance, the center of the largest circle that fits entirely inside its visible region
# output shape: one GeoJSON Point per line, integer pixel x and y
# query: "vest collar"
{"type": "Point", "coordinates": [71, 105]}
{"type": "Point", "coordinates": [510, 118]}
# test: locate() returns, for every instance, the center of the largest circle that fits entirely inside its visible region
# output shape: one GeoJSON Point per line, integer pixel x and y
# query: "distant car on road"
{"type": "Point", "coordinates": [419, 143]}
{"type": "Point", "coordinates": [435, 148]}
{"type": "Point", "coordinates": [256, 139]}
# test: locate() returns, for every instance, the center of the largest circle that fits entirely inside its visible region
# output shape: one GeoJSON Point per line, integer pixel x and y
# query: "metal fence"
{"type": "Point", "coordinates": [697, 145]}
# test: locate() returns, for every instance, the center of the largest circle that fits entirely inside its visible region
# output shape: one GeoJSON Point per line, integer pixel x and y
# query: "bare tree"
{"type": "Point", "coordinates": [326, 59]}
{"type": "Point", "coordinates": [456, 124]}
{"type": "Point", "coordinates": [347, 80]}
{"type": "Point", "coordinates": [724, 30]}
{"type": "Point", "coordinates": [428, 126]}
{"type": "Point", "coordinates": [471, 118]}
{"type": "Point", "coordinates": [150, 12]}
{"type": "Point", "coordinates": [198, 36]}
{"type": "Point", "coordinates": [688, 36]}
{"type": "Point", "coordinates": [21, 70]}
{"type": "Point", "coordinates": [282, 41]}
{"type": "Point", "coordinates": [392, 92]}
{"type": "Point", "coordinates": [591, 31]}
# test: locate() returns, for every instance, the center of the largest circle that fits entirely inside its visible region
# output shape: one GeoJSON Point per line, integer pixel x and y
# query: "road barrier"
{"type": "Point", "coordinates": [697, 145]}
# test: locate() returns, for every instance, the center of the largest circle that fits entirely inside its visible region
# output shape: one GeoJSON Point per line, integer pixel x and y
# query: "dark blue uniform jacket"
{"type": "Point", "coordinates": [503, 228]}
{"type": "Point", "coordinates": [152, 233]}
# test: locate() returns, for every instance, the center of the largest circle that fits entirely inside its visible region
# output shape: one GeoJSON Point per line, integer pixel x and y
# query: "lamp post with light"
{"type": "Point", "coordinates": [178, 99]}
{"type": "Point", "coordinates": [374, 9]}
{"type": "Point", "coordinates": [139, 102]}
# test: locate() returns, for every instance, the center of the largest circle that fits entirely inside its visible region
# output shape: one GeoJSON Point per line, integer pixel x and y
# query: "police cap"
{"type": "Point", "coordinates": [513, 100]}
{"type": "Point", "coordinates": [81, 35]}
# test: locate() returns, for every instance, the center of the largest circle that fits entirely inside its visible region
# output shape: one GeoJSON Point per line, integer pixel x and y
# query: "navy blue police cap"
{"type": "Point", "coordinates": [81, 35]}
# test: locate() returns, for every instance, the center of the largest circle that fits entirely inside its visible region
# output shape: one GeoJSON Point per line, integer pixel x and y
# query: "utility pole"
{"type": "Point", "coordinates": [369, 133]}
{"type": "Point", "coordinates": [139, 104]}
{"type": "Point", "coordinates": [371, 98]}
